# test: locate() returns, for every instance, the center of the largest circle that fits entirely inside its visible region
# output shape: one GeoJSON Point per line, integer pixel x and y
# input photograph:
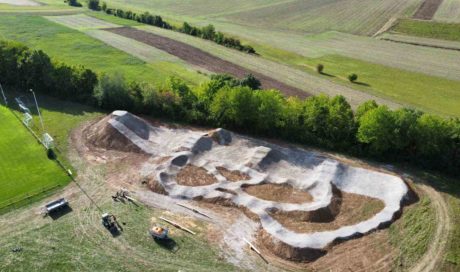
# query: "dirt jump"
{"type": "Point", "coordinates": [296, 205]}
{"type": "Point", "coordinates": [203, 59]}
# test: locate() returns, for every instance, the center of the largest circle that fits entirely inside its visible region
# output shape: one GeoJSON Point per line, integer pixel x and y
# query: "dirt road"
{"type": "Point", "coordinates": [433, 258]}
{"type": "Point", "coordinates": [203, 59]}
{"type": "Point", "coordinates": [427, 10]}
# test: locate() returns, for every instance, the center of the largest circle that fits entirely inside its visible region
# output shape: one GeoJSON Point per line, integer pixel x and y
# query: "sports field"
{"type": "Point", "coordinates": [25, 170]}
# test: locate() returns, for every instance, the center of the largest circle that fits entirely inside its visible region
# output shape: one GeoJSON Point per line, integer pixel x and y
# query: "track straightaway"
{"type": "Point", "coordinates": [199, 58]}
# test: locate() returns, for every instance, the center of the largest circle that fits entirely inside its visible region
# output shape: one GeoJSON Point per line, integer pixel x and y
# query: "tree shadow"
{"type": "Point", "coordinates": [362, 83]}
{"type": "Point", "coordinates": [326, 74]}
{"type": "Point", "coordinates": [55, 215]}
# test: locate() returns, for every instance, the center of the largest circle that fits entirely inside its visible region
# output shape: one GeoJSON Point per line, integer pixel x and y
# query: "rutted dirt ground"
{"type": "Point", "coordinates": [203, 59]}
{"type": "Point", "coordinates": [427, 10]}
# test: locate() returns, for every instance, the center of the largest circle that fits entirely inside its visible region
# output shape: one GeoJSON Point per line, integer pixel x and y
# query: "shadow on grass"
{"type": "Point", "coordinates": [326, 74]}
{"type": "Point", "coordinates": [168, 244]}
{"type": "Point", "coordinates": [60, 213]}
{"type": "Point", "coordinates": [361, 83]}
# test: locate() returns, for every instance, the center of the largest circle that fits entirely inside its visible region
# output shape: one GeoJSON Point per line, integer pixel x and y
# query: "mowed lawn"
{"type": "Point", "coordinates": [25, 170]}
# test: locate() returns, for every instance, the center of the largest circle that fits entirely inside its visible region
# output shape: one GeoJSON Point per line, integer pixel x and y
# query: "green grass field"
{"type": "Point", "coordinates": [428, 29]}
{"type": "Point", "coordinates": [76, 48]}
{"type": "Point", "coordinates": [25, 170]}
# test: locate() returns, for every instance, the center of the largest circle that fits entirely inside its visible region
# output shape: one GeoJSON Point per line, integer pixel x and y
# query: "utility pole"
{"type": "Point", "coordinates": [3, 94]}
{"type": "Point", "coordinates": [38, 110]}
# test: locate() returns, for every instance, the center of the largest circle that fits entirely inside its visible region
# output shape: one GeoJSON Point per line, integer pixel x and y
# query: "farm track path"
{"type": "Point", "coordinates": [433, 258]}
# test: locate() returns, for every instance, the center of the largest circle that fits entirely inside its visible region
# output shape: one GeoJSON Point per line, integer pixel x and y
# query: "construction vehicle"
{"type": "Point", "coordinates": [159, 233]}
{"type": "Point", "coordinates": [110, 222]}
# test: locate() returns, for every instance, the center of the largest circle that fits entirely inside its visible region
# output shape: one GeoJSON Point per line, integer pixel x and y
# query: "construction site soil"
{"type": "Point", "coordinates": [203, 59]}
{"type": "Point", "coordinates": [127, 165]}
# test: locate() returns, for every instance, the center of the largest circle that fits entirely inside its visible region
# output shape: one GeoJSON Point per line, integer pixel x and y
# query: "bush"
{"type": "Point", "coordinates": [74, 3]}
{"type": "Point", "coordinates": [251, 82]}
{"type": "Point", "coordinates": [353, 77]}
{"type": "Point", "coordinates": [94, 5]}
{"type": "Point", "coordinates": [104, 6]}
{"type": "Point", "coordinates": [112, 93]}
{"type": "Point", "coordinates": [51, 154]}
{"type": "Point", "coordinates": [320, 68]}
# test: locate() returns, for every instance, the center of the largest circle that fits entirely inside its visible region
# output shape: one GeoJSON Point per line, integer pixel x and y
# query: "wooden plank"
{"type": "Point", "coordinates": [177, 225]}
{"type": "Point", "coordinates": [194, 210]}
{"type": "Point", "coordinates": [256, 250]}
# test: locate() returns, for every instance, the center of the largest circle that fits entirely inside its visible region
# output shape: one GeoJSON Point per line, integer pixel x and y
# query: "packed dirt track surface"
{"type": "Point", "coordinates": [428, 9]}
{"type": "Point", "coordinates": [203, 59]}
{"type": "Point", "coordinates": [331, 203]}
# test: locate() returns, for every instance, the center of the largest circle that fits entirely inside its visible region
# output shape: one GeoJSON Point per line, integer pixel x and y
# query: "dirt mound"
{"type": "Point", "coordinates": [287, 252]}
{"type": "Point", "coordinates": [234, 175]}
{"type": "Point", "coordinates": [155, 186]}
{"type": "Point", "coordinates": [192, 175]}
{"type": "Point", "coordinates": [346, 209]}
{"type": "Point", "coordinates": [284, 193]}
{"type": "Point", "coordinates": [103, 135]}
{"type": "Point", "coordinates": [135, 124]}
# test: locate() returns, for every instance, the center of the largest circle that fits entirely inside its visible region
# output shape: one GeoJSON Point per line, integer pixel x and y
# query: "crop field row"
{"type": "Point", "coordinates": [428, 42]}
{"type": "Point", "coordinates": [449, 11]}
{"type": "Point", "coordinates": [77, 48]}
{"type": "Point", "coordinates": [80, 22]}
{"type": "Point", "coordinates": [35, 174]}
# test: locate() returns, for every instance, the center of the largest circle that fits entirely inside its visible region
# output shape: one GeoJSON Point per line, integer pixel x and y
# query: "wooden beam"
{"type": "Point", "coordinates": [177, 225]}
{"type": "Point", "coordinates": [251, 246]}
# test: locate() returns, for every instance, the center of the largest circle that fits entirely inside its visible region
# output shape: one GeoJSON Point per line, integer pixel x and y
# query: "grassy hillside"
{"type": "Point", "coordinates": [77, 48]}
{"type": "Point", "coordinates": [25, 170]}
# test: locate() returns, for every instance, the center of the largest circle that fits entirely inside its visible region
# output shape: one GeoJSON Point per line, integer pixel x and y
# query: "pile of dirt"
{"type": "Point", "coordinates": [192, 175]}
{"type": "Point", "coordinates": [155, 186]}
{"type": "Point", "coordinates": [284, 193]}
{"type": "Point", "coordinates": [287, 252]}
{"type": "Point", "coordinates": [103, 135]}
{"type": "Point", "coordinates": [346, 209]}
{"type": "Point", "coordinates": [234, 175]}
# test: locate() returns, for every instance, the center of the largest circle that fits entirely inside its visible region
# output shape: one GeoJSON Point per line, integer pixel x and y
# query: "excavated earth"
{"type": "Point", "coordinates": [296, 205]}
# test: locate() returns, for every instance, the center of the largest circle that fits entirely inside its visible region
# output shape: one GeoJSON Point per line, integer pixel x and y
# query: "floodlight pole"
{"type": "Point", "coordinates": [3, 94]}
{"type": "Point", "coordinates": [38, 110]}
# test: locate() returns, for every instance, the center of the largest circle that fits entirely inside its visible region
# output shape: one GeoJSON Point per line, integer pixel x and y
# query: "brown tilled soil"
{"type": "Point", "coordinates": [427, 10]}
{"type": "Point", "coordinates": [232, 176]}
{"type": "Point", "coordinates": [280, 193]}
{"type": "Point", "coordinates": [203, 59]}
{"type": "Point", "coordinates": [352, 210]}
{"type": "Point", "coordinates": [192, 175]}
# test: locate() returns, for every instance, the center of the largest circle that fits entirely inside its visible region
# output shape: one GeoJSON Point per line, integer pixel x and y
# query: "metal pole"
{"type": "Point", "coordinates": [38, 110]}
{"type": "Point", "coordinates": [4, 97]}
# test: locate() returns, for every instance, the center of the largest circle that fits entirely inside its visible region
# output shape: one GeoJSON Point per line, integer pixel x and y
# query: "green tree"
{"type": "Point", "coordinates": [94, 5]}
{"type": "Point", "coordinates": [432, 135]}
{"type": "Point", "coordinates": [112, 93]}
{"type": "Point", "coordinates": [251, 82]}
{"type": "Point", "coordinates": [270, 111]}
{"type": "Point", "coordinates": [377, 128]}
{"type": "Point", "coordinates": [208, 32]}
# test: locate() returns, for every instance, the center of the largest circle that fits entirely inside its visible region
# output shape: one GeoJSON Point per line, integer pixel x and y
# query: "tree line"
{"type": "Point", "coordinates": [372, 131]}
{"type": "Point", "coordinates": [207, 32]}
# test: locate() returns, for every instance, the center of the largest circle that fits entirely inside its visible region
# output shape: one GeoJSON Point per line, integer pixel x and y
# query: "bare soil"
{"type": "Point", "coordinates": [427, 10]}
{"type": "Point", "coordinates": [352, 210]}
{"type": "Point", "coordinates": [280, 193]}
{"type": "Point", "coordinates": [234, 175]}
{"type": "Point", "coordinates": [203, 59]}
{"type": "Point", "coordinates": [192, 175]}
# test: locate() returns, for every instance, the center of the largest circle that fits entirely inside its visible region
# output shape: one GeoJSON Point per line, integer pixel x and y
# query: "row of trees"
{"type": "Point", "coordinates": [207, 32]}
{"type": "Point", "coordinates": [376, 131]}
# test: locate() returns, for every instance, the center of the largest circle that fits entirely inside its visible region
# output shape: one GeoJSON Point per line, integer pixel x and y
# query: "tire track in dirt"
{"type": "Point", "coordinates": [427, 10]}
{"type": "Point", "coordinates": [198, 57]}
{"type": "Point", "coordinates": [433, 258]}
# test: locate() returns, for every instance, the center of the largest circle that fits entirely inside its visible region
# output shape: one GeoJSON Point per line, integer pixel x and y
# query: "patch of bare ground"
{"type": "Point", "coordinates": [198, 57]}
{"type": "Point", "coordinates": [278, 192]}
{"type": "Point", "coordinates": [427, 10]}
{"type": "Point", "coordinates": [192, 175]}
{"type": "Point", "coordinates": [234, 175]}
{"type": "Point", "coordinates": [353, 209]}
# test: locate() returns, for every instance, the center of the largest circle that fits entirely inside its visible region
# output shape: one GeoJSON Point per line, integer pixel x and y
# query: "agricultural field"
{"type": "Point", "coordinates": [35, 175]}
{"type": "Point", "coordinates": [449, 11]}
{"type": "Point", "coordinates": [77, 48]}
{"type": "Point", "coordinates": [428, 29]}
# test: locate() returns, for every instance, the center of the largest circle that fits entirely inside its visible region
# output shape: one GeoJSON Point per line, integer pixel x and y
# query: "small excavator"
{"type": "Point", "coordinates": [159, 233]}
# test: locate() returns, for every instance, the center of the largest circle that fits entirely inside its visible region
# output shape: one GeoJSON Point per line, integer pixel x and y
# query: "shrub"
{"type": "Point", "coordinates": [251, 82]}
{"type": "Point", "coordinates": [320, 68]}
{"type": "Point", "coordinates": [51, 154]}
{"type": "Point", "coordinates": [74, 3]}
{"type": "Point", "coordinates": [94, 5]}
{"type": "Point", "coordinates": [104, 6]}
{"type": "Point", "coordinates": [353, 77]}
